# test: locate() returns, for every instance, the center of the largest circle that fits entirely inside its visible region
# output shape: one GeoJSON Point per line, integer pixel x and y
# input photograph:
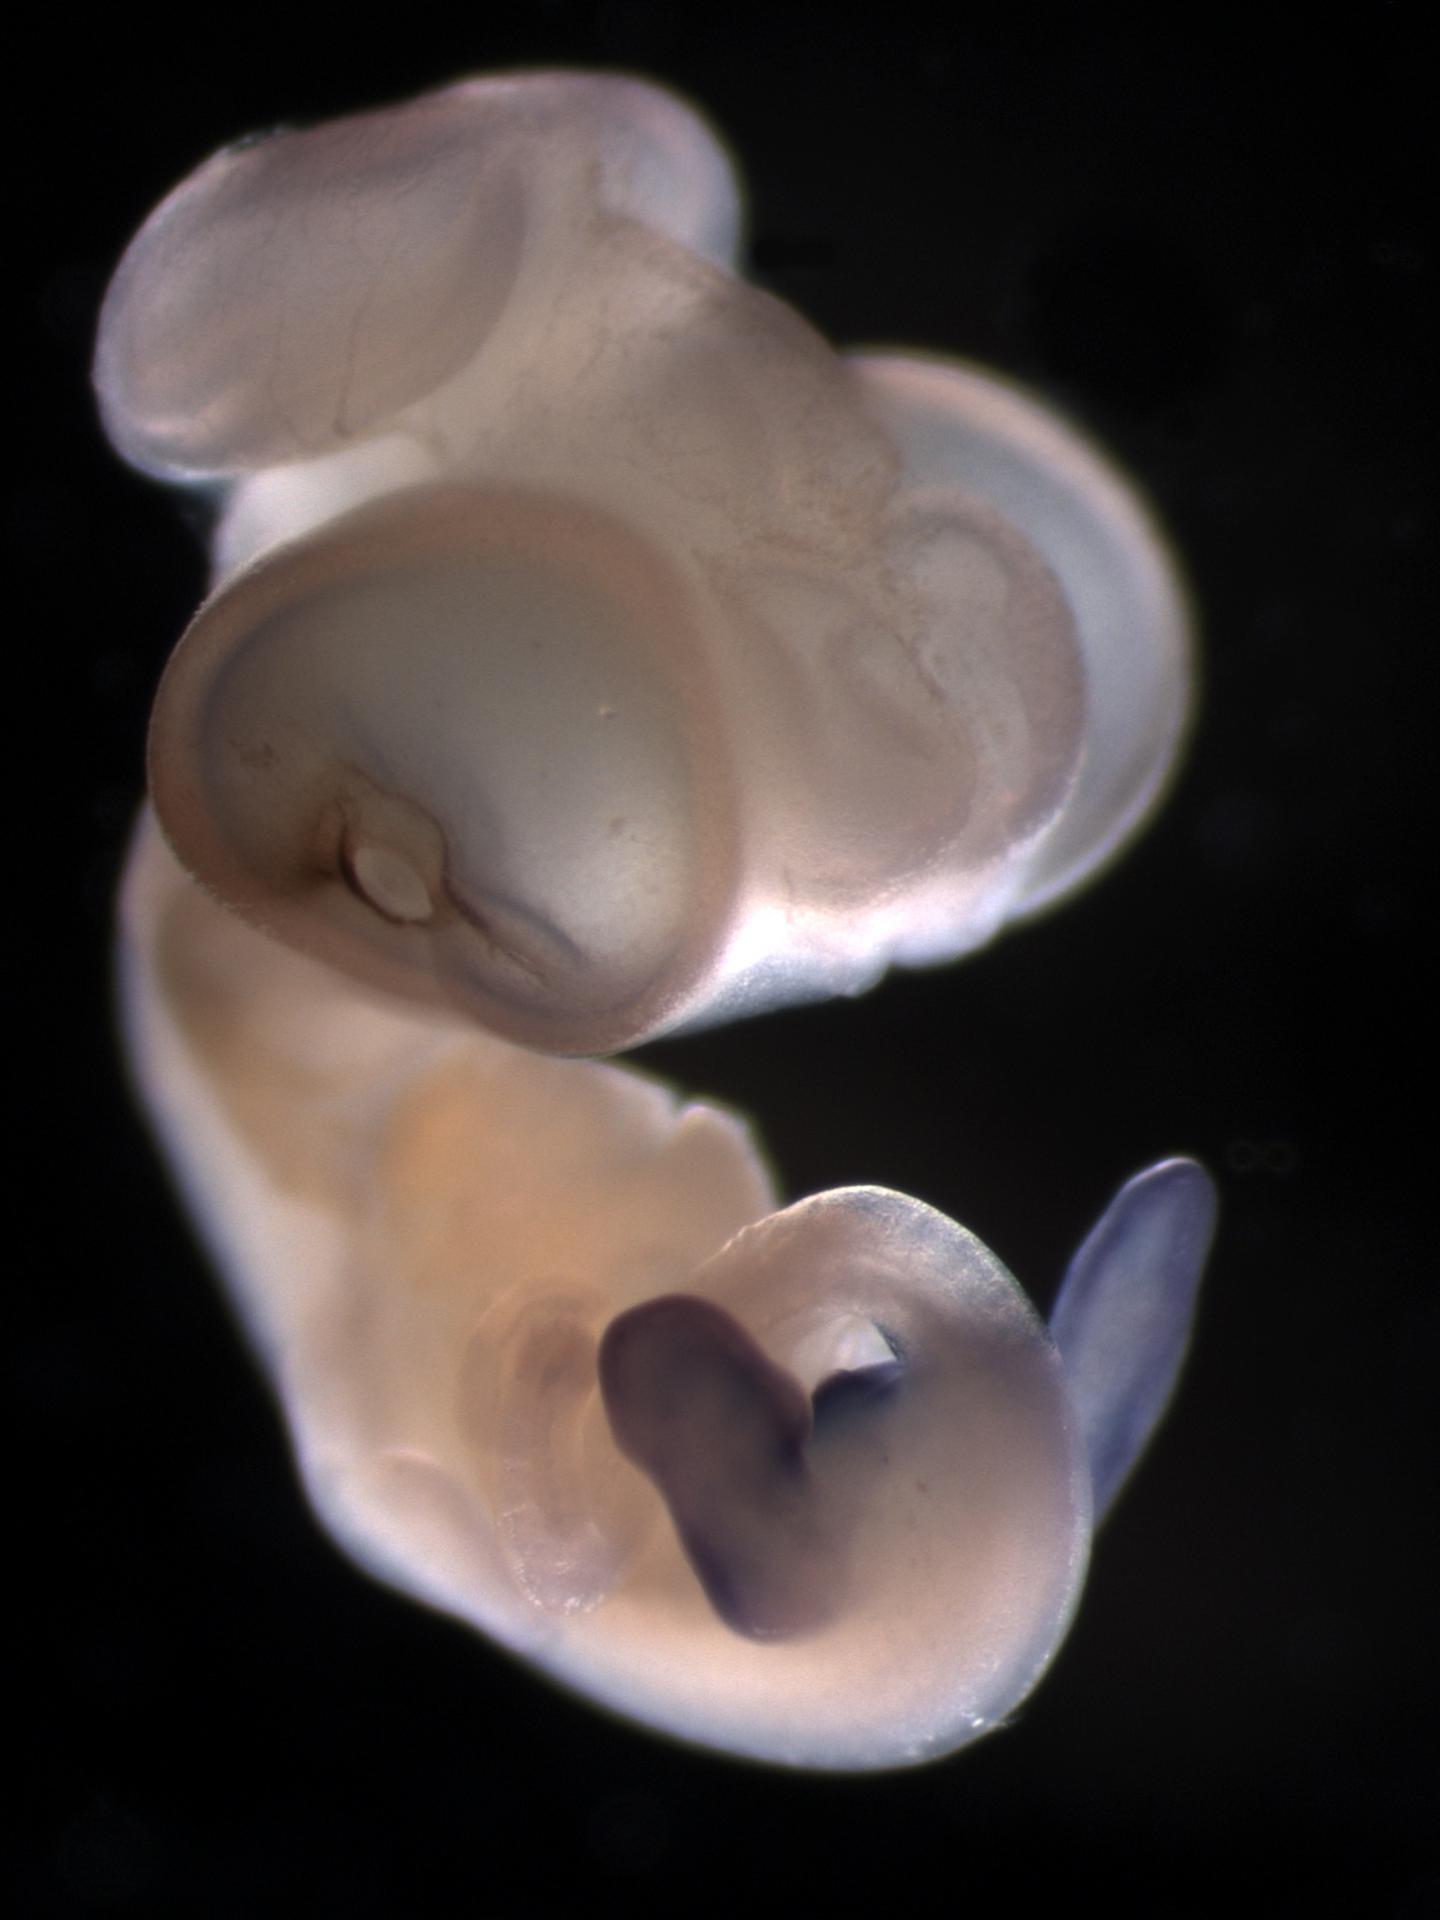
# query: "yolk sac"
{"type": "Point", "coordinates": [594, 652]}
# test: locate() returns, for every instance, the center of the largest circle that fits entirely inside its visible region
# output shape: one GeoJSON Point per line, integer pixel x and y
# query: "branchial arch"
{"type": "Point", "coordinates": [595, 652]}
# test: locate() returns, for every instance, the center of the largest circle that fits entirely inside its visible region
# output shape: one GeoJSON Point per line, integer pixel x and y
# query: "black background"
{"type": "Point", "coordinates": [1202, 235]}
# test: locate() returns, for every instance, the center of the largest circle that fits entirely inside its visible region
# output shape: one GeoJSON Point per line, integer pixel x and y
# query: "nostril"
{"type": "Point", "coordinates": [854, 1390]}
{"type": "Point", "coordinates": [843, 1343]}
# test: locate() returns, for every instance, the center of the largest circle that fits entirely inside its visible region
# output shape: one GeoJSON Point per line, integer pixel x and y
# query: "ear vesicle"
{"type": "Point", "coordinates": [594, 653]}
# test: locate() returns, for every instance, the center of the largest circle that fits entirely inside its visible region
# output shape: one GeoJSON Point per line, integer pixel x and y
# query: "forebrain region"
{"type": "Point", "coordinates": [593, 653]}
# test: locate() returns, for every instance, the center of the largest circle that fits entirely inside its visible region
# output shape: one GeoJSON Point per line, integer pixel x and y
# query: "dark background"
{"type": "Point", "coordinates": [1204, 238]}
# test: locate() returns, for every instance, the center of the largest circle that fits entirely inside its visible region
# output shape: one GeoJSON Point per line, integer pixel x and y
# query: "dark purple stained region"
{"type": "Point", "coordinates": [696, 1404]}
